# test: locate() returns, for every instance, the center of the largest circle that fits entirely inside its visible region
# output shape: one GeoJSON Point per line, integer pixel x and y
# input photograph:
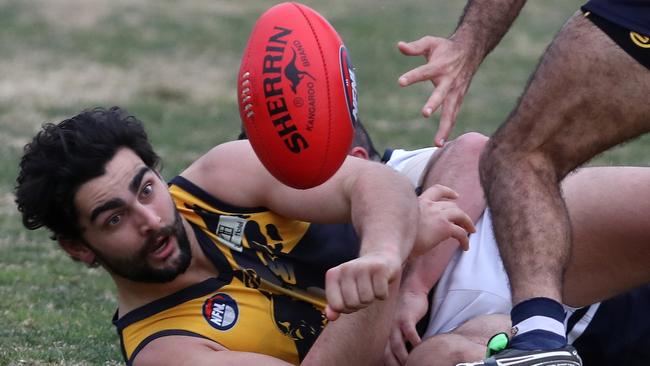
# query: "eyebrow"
{"type": "Point", "coordinates": [118, 202]}
{"type": "Point", "coordinates": [137, 179]}
{"type": "Point", "coordinates": [109, 205]}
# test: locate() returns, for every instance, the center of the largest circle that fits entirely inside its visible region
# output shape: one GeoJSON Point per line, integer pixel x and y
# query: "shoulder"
{"type": "Point", "coordinates": [230, 172]}
{"type": "Point", "coordinates": [224, 155]}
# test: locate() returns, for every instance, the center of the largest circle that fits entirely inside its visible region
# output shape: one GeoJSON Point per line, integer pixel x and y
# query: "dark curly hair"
{"type": "Point", "coordinates": [63, 156]}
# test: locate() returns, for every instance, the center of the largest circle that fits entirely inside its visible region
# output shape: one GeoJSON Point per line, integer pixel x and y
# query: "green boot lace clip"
{"type": "Point", "coordinates": [496, 344]}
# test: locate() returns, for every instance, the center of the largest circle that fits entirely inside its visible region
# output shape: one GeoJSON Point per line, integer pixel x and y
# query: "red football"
{"type": "Point", "coordinates": [297, 95]}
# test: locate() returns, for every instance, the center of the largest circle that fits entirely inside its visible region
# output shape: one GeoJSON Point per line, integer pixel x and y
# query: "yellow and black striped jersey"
{"type": "Point", "coordinates": [268, 296]}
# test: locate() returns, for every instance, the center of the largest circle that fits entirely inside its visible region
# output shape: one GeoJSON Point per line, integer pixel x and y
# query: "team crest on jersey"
{"type": "Point", "coordinates": [221, 311]}
{"type": "Point", "coordinates": [230, 231]}
{"type": "Point", "coordinates": [349, 83]}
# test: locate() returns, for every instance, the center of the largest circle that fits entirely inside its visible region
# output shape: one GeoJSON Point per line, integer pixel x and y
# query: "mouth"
{"type": "Point", "coordinates": [162, 248]}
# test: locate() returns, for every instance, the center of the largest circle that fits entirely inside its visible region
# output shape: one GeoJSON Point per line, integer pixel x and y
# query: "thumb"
{"type": "Point", "coordinates": [331, 314]}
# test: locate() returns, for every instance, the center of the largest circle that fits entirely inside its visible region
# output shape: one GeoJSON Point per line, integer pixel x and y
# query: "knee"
{"type": "Point", "coordinates": [495, 155]}
{"type": "Point", "coordinates": [470, 144]}
{"type": "Point", "coordinates": [506, 160]}
{"type": "Point", "coordinates": [443, 349]}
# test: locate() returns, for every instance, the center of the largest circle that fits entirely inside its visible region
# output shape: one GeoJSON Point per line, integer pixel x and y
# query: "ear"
{"type": "Point", "coordinates": [359, 152]}
{"type": "Point", "coordinates": [77, 251]}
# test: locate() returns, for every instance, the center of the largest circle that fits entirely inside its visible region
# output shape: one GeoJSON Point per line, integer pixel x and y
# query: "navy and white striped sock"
{"type": "Point", "coordinates": [538, 323]}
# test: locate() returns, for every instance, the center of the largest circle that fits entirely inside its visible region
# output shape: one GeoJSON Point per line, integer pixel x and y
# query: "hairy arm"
{"type": "Point", "coordinates": [452, 63]}
{"type": "Point", "coordinates": [484, 23]}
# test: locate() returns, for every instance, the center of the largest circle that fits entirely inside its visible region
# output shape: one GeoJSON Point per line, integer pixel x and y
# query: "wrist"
{"type": "Point", "coordinates": [474, 48]}
{"type": "Point", "coordinates": [414, 282]}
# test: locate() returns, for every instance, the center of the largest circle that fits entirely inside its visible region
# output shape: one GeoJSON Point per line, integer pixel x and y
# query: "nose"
{"type": "Point", "coordinates": [148, 219]}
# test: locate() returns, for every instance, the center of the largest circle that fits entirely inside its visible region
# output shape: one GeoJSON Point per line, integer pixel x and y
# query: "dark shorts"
{"type": "Point", "coordinates": [618, 333]}
{"type": "Point", "coordinates": [635, 44]}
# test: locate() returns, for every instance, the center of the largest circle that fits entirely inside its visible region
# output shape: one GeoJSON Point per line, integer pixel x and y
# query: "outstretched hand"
{"type": "Point", "coordinates": [354, 285]}
{"type": "Point", "coordinates": [450, 68]}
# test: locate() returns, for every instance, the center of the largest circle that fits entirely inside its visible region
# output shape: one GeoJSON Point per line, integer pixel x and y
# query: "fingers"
{"type": "Point", "coordinates": [420, 47]}
{"type": "Point", "coordinates": [460, 234]}
{"type": "Point", "coordinates": [403, 332]}
{"type": "Point", "coordinates": [450, 108]}
{"type": "Point", "coordinates": [398, 347]}
{"type": "Point", "coordinates": [420, 73]}
{"type": "Point", "coordinates": [436, 98]}
{"type": "Point", "coordinates": [334, 294]}
{"type": "Point", "coordinates": [356, 284]}
{"type": "Point", "coordinates": [410, 333]}
{"type": "Point", "coordinates": [331, 314]}
{"type": "Point", "coordinates": [456, 215]}
{"type": "Point", "coordinates": [413, 305]}
{"type": "Point", "coordinates": [425, 46]}
{"type": "Point", "coordinates": [441, 219]}
{"type": "Point", "coordinates": [380, 286]}
{"type": "Point", "coordinates": [447, 67]}
{"type": "Point", "coordinates": [367, 294]}
{"type": "Point", "coordinates": [389, 358]}
{"type": "Point", "coordinates": [460, 223]}
{"type": "Point", "coordinates": [438, 192]}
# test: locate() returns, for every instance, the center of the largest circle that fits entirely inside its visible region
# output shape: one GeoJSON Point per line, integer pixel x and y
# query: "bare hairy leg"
{"type": "Point", "coordinates": [568, 113]}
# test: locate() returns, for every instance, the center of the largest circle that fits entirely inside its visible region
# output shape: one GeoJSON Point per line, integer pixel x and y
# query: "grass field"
{"type": "Point", "coordinates": [173, 64]}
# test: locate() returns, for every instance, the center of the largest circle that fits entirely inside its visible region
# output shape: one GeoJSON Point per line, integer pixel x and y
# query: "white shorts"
{"type": "Point", "coordinates": [474, 282]}
{"type": "Point", "coordinates": [412, 163]}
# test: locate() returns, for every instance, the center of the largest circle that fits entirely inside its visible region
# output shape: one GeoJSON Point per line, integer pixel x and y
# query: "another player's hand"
{"type": "Point", "coordinates": [441, 219]}
{"type": "Point", "coordinates": [450, 67]}
{"type": "Point", "coordinates": [411, 308]}
{"type": "Point", "coordinates": [356, 284]}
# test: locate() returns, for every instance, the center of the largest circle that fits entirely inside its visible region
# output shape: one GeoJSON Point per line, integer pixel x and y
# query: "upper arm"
{"type": "Point", "coordinates": [233, 173]}
{"type": "Point", "coordinates": [195, 351]}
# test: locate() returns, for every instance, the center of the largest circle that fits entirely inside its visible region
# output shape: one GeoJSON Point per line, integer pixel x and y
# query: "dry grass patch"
{"type": "Point", "coordinates": [86, 14]}
{"type": "Point", "coordinates": [28, 86]}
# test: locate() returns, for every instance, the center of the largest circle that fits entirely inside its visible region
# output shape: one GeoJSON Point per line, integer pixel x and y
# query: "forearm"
{"type": "Point", "coordinates": [484, 23]}
{"type": "Point", "coordinates": [425, 270]}
{"type": "Point", "coordinates": [384, 212]}
{"type": "Point", "coordinates": [358, 338]}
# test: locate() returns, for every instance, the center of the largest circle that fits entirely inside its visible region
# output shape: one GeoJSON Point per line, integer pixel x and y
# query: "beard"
{"type": "Point", "coordinates": [137, 268]}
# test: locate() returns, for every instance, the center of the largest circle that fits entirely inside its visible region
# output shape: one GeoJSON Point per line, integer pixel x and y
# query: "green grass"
{"type": "Point", "coordinates": [173, 64]}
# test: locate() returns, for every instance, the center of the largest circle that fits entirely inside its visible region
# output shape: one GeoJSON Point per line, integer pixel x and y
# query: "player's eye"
{"type": "Point", "coordinates": [114, 220]}
{"type": "Point", "coordinates": [147, 190]}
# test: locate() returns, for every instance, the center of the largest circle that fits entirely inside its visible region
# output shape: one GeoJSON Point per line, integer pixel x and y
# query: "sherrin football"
{"type": "Point", "coordinates": [297, 95]}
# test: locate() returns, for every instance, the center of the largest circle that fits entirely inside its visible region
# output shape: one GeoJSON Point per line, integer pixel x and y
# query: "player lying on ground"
{"type": "Point", "coordinates": [216, 267]}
